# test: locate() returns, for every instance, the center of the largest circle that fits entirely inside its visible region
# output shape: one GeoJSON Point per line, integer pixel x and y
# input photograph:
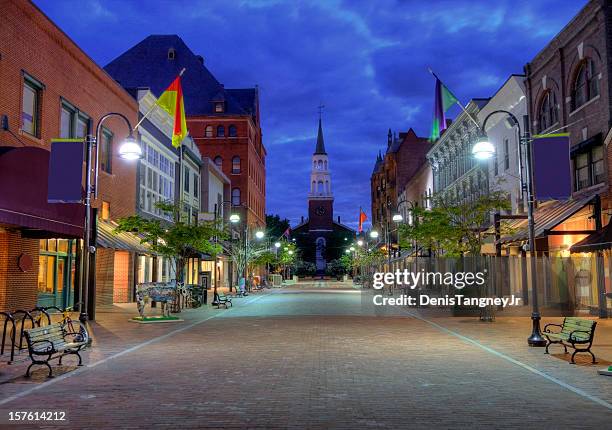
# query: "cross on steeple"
{"type": "Point", "coordinates": [320, 108]}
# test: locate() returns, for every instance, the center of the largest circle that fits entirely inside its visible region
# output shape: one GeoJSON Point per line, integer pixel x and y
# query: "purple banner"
{"type": "Point", "coordinates": [551, 168]}
{"type": "Point", "coordinates": [65, 171]}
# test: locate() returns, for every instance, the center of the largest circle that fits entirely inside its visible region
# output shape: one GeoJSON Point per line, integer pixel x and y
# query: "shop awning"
{"type": "Point", "coordinates": [107, 238]}
{"type": "Point", "coordinates": [547, 216]}
{"type": "Point", "coordinates": [23, 196]}
{"type": "Point", "coordinates": [597, 241]}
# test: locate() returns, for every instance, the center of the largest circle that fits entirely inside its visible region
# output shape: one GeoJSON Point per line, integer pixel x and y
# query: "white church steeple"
{"type": "Point", "coordinates": [320, 178]}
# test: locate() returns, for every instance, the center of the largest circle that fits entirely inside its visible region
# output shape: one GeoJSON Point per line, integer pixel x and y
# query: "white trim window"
{"type": "Point", "coordinates": [156, 180]}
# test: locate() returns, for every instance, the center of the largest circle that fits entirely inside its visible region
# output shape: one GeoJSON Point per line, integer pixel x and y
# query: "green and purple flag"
{"type": "Point", "coordinates": [444, 99]}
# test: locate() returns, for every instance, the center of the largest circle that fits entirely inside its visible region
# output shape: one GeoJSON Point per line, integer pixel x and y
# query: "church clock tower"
{"type": "Point", "coordinates": [319, 237]}
{"type": "Point", "coordinates": [320, 198]}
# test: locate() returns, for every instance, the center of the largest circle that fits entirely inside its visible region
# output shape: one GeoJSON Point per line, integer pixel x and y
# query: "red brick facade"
{"type": "Point", "coordinates": [587, 37]}
{"type": "Point", "coordinates": [247, 144]}
{"type": "Point", "coordinates": [30, 43]}
{"type": "Point", "coordinates": [403, 159]}
{"type": "Point", "coordinates": [17, 287]}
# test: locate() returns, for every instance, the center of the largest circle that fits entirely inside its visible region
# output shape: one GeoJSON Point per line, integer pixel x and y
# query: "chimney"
{"type": "Point", "coordinates": [200, 59]}
{"type": "Point", "coordinates": [302, 218]}
{"type": "Point", "coordinates": [338, 219]}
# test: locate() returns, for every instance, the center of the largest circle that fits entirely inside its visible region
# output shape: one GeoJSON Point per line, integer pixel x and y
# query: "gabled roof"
{"type": "Point", "coordinates": [147, 64]}
{"type": "Point", "coordinates": [320, 149]}
{"type": "Point", "coordinates": [410, 135]}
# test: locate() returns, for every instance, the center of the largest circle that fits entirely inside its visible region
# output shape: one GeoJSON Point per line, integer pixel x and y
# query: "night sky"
{"type": "Point", "coordinates": [366, 61]}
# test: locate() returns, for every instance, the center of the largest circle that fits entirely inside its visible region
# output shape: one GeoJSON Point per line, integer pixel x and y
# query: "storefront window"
{"type": "Point", "coordinates": [62, 245]}
{"type": "Point", "coordinates": [56, 272]}
{"type": "Point", "coordinates": [46, 273]}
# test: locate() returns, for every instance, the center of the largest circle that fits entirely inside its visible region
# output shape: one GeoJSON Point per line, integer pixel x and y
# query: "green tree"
{"type": "Point", "coordinates": [453, 228]}
{"type": "Point", "coordinates": [177, 241]}
{"type": "Point", "coordinates": [275, 226]}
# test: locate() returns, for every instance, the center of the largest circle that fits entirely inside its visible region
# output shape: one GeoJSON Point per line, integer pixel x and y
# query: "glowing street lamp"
{"type": "Point", "coordinates": [360, 242]}
{"type": "Point", "coordinates": [483, 149]}
{"type": "Point", "coordinates": [277, 244]}
{"type": "Point", "coordinates": [374, 234]}
{"type": "Point", "coordinates": [129, 150]}
{"type": "Point", "coordinates": [234, 218]}
{"type": "Point", "coordinates": [259, 234]}
{"type": "Point", "coordinates": [397, 218]}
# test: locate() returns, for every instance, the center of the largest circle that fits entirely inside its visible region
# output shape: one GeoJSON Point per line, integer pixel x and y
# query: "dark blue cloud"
{"type": "Point", "coordinates": [366, 61]}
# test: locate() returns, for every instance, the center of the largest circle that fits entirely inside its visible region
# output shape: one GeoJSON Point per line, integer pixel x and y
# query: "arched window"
{"type": "Point", "coordinates": [236, 197]}
{"type": "Point", "coordinates": [548, 113]}
{"type": "Point", "coordinates": [586, 84]}
{"type": "Point", "coordinates": [219, 161]}
{"type": "Point", "coordinates": [327, 187]}
{"type": "Point", "coordinates": [220, 131]}
{"type": "Point", "coordinates": [320, 165]}
{"type": "Point", "coordinates": [208, 131]}
{"type": "Point", "coordinates": [313, 187]}
{"type": "Point", "coordinates": [320, 187]}
{"type": "Point", "coordinates": [236, 164]}
{"type": "Point", "coordinates": [325, 165]}
{"type": "Point", "coordinates": [232, 132]}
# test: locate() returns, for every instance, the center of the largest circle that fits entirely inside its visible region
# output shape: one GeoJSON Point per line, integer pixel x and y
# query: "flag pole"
{"type": "Point", "coordinates": [457, 101]}
{"type": "Point", "coordinates": [154, 106]}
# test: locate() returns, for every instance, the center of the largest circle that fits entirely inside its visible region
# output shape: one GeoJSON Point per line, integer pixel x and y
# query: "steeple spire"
{"type": "Point", "coordinates": [320, 149]}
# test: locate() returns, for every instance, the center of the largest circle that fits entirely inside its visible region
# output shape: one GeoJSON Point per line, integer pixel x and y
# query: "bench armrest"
{"type": "Point", "coordinates": [550, 324]}
{"type": "Point", "coordinates": [50, 349]}
{"type": "Point", "coordinates": [77, 337]}
{"type": "Point", "coordinates": [571, 336]}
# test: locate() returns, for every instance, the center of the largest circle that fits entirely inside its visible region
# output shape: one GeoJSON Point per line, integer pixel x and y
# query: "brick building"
{"type": "Point", "coordinates": [403, 158]}
{"type": "Point", "coordinates": [568, 89]}
{"type": "Point", "coordinates": [567, 85]}
{"type": "Point", "coordinates": [51, 88]}
{"type": "Point", "coordinates": [224, 123]}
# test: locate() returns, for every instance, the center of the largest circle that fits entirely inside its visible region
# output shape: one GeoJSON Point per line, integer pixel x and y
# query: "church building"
{"type": "Point", "coordinates": [320, 238]}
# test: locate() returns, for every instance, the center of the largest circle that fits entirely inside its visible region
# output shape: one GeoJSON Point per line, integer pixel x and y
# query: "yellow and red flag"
{"type": "Point", "coordinates": [172, 102]}
{"type": "Point", "coordinates": [362, 218]}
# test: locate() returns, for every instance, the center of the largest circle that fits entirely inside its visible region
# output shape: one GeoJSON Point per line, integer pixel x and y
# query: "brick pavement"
{"type": "Point", "coordinates": [304, 358]}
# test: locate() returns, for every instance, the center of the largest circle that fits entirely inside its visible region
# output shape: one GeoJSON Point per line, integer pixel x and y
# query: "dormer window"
{"type": "Point", "coordinates": [219, 107]}
{"type": "Point", "coordinates": [171, 54]}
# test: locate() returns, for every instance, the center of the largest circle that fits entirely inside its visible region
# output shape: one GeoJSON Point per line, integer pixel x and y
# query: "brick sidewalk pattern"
{"type": "Point", "coordinates": [310, 357]}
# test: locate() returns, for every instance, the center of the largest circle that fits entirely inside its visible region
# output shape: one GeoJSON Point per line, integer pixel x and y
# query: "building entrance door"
{"type": "Point", "coordinates": [56, 268]}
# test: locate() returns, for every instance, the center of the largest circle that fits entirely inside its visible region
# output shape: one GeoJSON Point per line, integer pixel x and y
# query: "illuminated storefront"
{"type": "Point", "coordinates": [56, 272]}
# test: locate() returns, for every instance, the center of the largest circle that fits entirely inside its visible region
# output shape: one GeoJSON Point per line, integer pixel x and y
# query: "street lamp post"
{"type": "Point", "coordinates": [373, 235]}
{"type": "Point", "coordinates": [397, 218]}
{"type": "Point", "coordinates": [129, 150]}
{"type": "Point", "coordinates": [484, 150]}
{"type": "Point", "coordinates": [260, 234]}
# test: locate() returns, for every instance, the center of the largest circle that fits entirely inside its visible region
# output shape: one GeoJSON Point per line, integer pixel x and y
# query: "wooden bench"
{"type": "Point", "coordinates": [575, 332]}
{"type": "Point", "coordinates": [221, 300]}
{"type": "Point", "coordinates": [53, 341]}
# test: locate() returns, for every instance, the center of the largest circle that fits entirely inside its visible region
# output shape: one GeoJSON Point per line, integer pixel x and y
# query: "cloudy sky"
{"type": "Point", "coordinates": [365, 60]}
